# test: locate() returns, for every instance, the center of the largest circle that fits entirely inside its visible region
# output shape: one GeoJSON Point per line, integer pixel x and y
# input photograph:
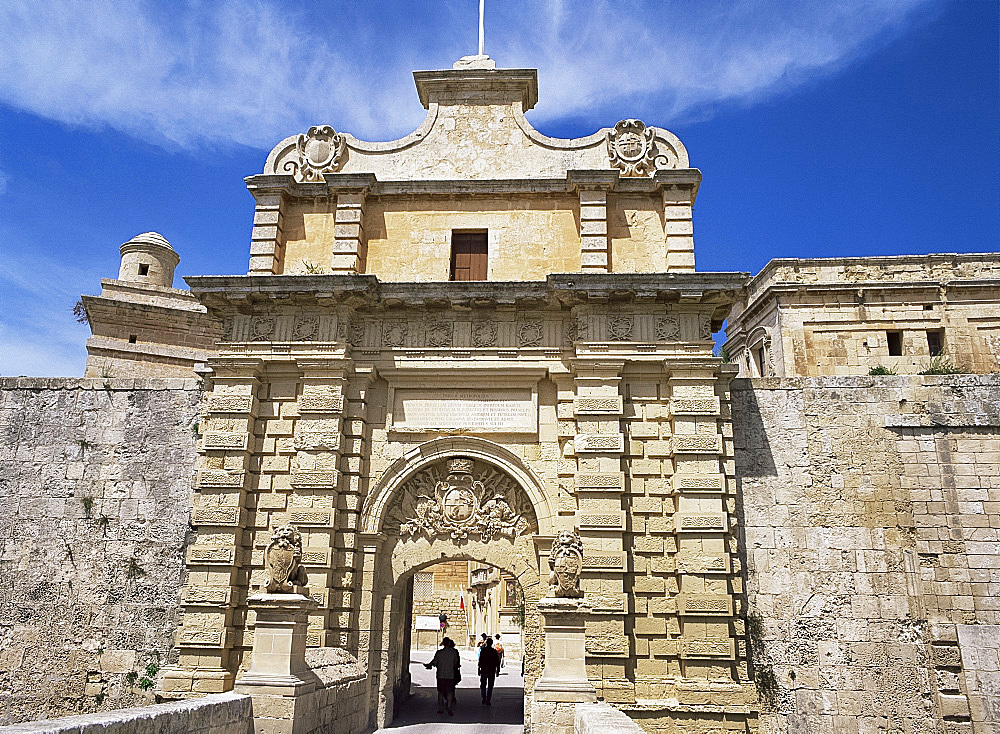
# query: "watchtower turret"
{"type": "Point", "coordinates": [148, 258]}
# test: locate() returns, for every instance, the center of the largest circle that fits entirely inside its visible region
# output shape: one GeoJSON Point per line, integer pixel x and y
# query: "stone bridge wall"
{"type": "Point", "coordinates": [95, 497]}
{"type": "Point", "coordinates": [872, 540]}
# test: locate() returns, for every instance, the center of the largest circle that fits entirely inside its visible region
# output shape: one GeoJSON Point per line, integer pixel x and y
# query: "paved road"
{"type": "Point", "coordinates": [419, 714]}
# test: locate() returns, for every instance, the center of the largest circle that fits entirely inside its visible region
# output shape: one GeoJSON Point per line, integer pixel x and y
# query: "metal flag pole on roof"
{"type": "Point", "coordinates": [482, 3]}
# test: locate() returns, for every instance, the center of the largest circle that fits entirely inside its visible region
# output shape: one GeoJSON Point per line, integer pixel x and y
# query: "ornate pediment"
{"type": "Point", "coordinates": [462, 499]}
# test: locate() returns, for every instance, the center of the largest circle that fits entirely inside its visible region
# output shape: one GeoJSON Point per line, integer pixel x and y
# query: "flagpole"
{"type": "Point", "coordinates": [482, 3]}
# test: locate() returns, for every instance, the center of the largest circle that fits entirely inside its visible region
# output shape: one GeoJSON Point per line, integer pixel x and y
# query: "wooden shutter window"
{"type": "Point", "coordinates": [468, 255]}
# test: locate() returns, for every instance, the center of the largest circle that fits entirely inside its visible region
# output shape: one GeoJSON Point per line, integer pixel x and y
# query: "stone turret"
{"type": "Point", "coordinates": [148, 258]}
{"type": "Point", "coordinates": [141, 325]}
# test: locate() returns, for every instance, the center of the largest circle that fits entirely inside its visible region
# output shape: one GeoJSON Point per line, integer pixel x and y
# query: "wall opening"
{"type": "Point", "coordinates": [469, 257]}
{"type": "Point", "coordinates": [895, 342]}
{"type": "Point", "coordinates": [935, 342]}
{"type": "Point", "coordinates": [461, 600]}
{"type": "Point", "coordinates": [143, 269]}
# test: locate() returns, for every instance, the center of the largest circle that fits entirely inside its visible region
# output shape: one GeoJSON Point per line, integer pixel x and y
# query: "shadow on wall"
{"type": "Point", "coordinates": [752, 449]}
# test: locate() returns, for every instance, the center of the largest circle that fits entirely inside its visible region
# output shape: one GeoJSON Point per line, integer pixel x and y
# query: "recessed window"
{"type": "Point", "coordinates": [761, 361]}
{"type": "Point", "coordinates": [928, 307]}
{"type": "Point", "coordinates": [935, 342]}
{"type": "Point", "coordinates": [143, 269]}
{"type": "Point", "coordinates": [468, 255]}
{"type": "Point", "coordinates": [131, 339]}
{"type": "Point", "coordinates": [895, 341]}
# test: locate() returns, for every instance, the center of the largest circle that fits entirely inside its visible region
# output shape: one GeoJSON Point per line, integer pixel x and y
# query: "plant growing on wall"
{"type": "Point", "coordinates": [941, 364]}
{"type": "Point", "coordinates": [881, 370]}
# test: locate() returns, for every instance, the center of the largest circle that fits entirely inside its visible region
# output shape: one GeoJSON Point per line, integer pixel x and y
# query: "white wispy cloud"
{"type": "Point", "coordinates": [38, 334]}
{"type": "Point", "coordinates": [203, 73]}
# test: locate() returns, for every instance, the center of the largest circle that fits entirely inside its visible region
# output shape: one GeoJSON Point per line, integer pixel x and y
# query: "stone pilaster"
{"type": "Point", "coordinates": [372, 619]}
{"type": "Point", "coordinates": [678, 201]}
{"type": "Point", "coordinates": [349, 230]}
{"type": "Point", "coordinates": [347, 555]}
{"type": "Point", "coordinates": [267, 242]}
{"type": "Point", "coordinates": [593, 188]}
{"type": "Point", "coordinates": [707, 585]}
{"type": "Point", "coordinates": [599, 446]}
{"type": "Point", "coordinates": [216, 560]}
{"type": "Point", "coordinates": [316, 478]}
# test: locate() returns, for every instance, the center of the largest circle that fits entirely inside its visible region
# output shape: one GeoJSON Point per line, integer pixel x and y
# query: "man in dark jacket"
{"type": "Point", "coordinates": [489, 666]}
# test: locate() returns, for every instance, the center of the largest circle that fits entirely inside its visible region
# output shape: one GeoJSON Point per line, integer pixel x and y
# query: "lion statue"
{"type": "Point", "coordinates": [282, 558]}
{"type": "Point", "coordinates": [566, 563]}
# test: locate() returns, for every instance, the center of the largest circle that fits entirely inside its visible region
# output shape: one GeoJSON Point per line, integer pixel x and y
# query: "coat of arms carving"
{"type": "Point", "coordinates": [318, 151]}
{"type": "Point", "coordinates": [566, 564]}
{"type": "Point", "coordinates": [282, 558]}
{"type": "Point", "coordinates": [632, 149]}
{"type": "Point", "coordinates": [462, 504]}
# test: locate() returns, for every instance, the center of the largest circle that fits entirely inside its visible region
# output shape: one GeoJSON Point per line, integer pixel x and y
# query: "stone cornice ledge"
{"type": "Point", "coordinates": [607, 179]}
{"type": "Point", "coordinates": [227, 293]}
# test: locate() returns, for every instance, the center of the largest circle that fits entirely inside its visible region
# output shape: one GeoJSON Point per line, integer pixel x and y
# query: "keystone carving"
{"type": "Point", "coordinates": [565, 564]}
{"type": "Point", "coordinates": [282, 560]}
{"type": "Point", "coordinates": [465, 503]}
{"type": "Point", "coordinates": [320, 150]}
{"type": "Point", "coordinates": [631, 148]}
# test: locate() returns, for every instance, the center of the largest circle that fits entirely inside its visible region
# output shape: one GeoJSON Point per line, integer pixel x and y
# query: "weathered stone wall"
{"type": "Point", "coordinates": [95, 497]}
{"type": "Point", "coordinates": [872, 540]}
{"type": "Point", "coordinates": [221, 713]}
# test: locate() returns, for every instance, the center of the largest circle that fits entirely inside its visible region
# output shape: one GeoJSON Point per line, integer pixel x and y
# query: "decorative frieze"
{"type": "Point", "coordinates": [613, 561]}
{"type": "Point", "coordinates": [702, 604]}
{"type": "Point", "coordinates": [206, 595]}
{"type": "Point", "coordinates": [326, 479]}
{"type": "Point", "coordinates": [230, 403]}
{"type": "Point", "coordinates": [698, 444]}
{"type": "Point", "coordinates": [224, 440]}
{"type": "Point", "coordinates": [698, 483]}
{"type": "Point", "coordinates": [700, 522]}
{"type": "Point", "coordinates": [602, 481]}
{"type": "Point", "coordinates": [219, 478]}
{"type": "Point", "coordinates": [602, 521]}
{"type": "Point", "coordinates": [695, 406]}
{"type": "Point", "coordinates": [207, 555]}
{"type": "Point", "coordinates": [599, 443]}
{"type": "Point", "coordinates": [612, 405]}
{"type": "Point", "coordinates": [217, 515]}
{"type": "Point", "coordinates": [708, 647]}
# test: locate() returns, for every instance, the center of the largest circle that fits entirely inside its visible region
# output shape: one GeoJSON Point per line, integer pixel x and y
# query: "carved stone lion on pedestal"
{"type": "Point", "coordinates": [282, 559]}
{"type": "Point", "coordinates": [566, 563]}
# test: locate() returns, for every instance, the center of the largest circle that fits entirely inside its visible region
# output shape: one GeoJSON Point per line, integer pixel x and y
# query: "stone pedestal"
{"type": "Point", "coordinates": [279, 680]}
{"type": "Point", "coordinates": [564, 679]}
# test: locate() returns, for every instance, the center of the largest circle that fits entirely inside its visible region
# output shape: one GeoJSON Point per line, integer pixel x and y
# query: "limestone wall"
{"type": "Point", "coordinates": [222, 713]}
{"type": "Point", "coordinates": [872, 541]}
{"type": "Point", "coordinates": [95, 496]}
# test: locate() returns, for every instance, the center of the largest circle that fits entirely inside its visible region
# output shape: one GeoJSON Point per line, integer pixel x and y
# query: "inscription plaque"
{"type": "Point", "coordinates": [510, 410]}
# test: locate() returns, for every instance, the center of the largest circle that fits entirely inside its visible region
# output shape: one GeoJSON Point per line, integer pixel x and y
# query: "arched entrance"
{"type": "Point", "coordinates": [450, 499]}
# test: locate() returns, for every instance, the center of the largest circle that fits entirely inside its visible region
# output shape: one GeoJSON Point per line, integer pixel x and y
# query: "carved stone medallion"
{"type": "Point", "coordinates": [440, 333]}
{"type": "Point", "coordinates": [320, 150]}
{"type": "Point", "coordinates": [631, 148]}
{"type": "Point", "coordinates": [668, 328]}
{"type": "Point", "coordinates": [470, 501]}
{"type": "Point", "coordinates": [619, 328]}
{"type": "Point", "coordinates": [529, 333]}
{"type": "Point", "coordinates": [262, 328]}
{"type": "Point", "coordinates": [484, 333]}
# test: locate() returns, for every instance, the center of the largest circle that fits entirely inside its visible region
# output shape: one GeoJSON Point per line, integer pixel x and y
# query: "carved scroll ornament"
{"type": "Point", "coordinates": [318, 151]}
{"type": "Point", "coordinates": [464, 504]}
{"type": "Point", "coordinates": [632, 149]}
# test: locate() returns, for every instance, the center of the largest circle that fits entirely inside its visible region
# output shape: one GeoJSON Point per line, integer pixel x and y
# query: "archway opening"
{"type": "Point", "coordinates": [462, 600]}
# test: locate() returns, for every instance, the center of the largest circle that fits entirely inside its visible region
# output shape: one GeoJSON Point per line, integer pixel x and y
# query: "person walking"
{"type": "Point", "coordinates": [489, 666]}
{"type": "Point", "coordinates": [449, 674]}
{"type": "Point", "coordinates": [498, 646]}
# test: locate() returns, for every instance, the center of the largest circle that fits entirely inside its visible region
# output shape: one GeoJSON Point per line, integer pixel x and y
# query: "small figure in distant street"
{"type": "Point", "coordinates": [489, 666]}
{"type": "Point", "coordinates": [498, 646]}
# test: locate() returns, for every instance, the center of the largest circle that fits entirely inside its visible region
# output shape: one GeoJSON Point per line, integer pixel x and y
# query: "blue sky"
{"type": "Point", "coordinates": [822, 128]}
